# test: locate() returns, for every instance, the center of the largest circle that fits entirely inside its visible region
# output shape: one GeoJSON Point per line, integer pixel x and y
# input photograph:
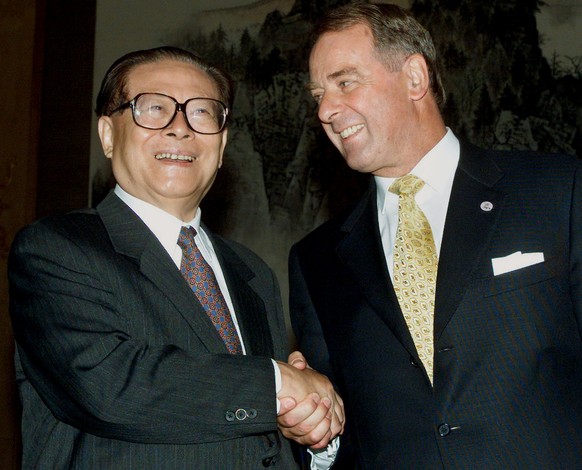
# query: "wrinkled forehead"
{"type": "Point", "coordinates": [341, 50]}
{"type": "Point", "coordinates": [171, 77]}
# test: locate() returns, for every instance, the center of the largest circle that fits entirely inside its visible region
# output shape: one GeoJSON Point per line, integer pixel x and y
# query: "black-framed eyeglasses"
{"type": "Point", "coordinates": [156, 111]}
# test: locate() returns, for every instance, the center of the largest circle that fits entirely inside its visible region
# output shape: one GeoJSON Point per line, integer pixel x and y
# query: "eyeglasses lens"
{"type": "Point", "coordinates": [156, 111]}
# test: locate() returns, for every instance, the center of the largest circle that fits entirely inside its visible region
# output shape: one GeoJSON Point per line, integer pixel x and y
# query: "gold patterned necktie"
{"type": "Point", "coordinates": [415, 268]}
{"type": "Point", "coordinates": [202, 281]}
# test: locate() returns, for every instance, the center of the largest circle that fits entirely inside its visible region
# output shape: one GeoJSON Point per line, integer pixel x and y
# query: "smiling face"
{"type": "Point", "coordinates": [374, 116]}
{"type": "Point", "coordinates": [171, 168]}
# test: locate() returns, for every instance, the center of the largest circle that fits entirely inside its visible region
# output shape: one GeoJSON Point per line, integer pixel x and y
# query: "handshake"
{"type": "Point", "coordinates": [311, 412]}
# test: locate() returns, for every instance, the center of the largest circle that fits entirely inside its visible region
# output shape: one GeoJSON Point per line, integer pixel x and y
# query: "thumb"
{"type": "Point", "coordinates": [297, 360]}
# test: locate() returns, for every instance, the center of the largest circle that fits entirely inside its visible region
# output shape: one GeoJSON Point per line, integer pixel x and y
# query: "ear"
{"type": "Point", "coordinates": [105, 129]}
{"type": "Point", "coordinates": [417, 76]}
{"type": "Point", "coordinates": [222, 146]}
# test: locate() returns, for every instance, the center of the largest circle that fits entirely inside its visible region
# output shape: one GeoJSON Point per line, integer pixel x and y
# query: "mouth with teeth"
{"type": "Point", "coordinates": [175, 157]}
{"type": "Point", "coordinates": [350, 131]}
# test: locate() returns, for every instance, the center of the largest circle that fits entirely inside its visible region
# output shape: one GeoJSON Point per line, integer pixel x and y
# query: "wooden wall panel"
{"type": "Point", "coordinates": [18, 126]}
{"type": "Point", "coordinates": [46, 51]}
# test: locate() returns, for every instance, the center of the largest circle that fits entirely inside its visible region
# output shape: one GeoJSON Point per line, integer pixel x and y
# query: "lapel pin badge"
{"type": "Point", "coordinates": [486, 206]}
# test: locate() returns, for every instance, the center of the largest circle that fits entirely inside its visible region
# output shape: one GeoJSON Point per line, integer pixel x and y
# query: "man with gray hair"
{"type": "Point", "coordinates": [447, 305]}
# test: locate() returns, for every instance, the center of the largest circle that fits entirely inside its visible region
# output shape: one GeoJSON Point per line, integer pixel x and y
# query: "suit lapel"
{"type": "Point", "coordinates": [133, 239]}
{"type": "Point", "coordinates": [249, 307]}
{"type": "Point", "coordinates": [474, 208]}
{"type": "Point", "coordinates": [362, 253]}
{"type": "Point", "coordinates": [473, 211]}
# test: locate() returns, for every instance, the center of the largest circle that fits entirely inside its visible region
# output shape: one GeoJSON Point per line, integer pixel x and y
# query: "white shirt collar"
{"type": "Point", "coordinates": [164, 226]}
{"type": "Point", "coordinates": [437, 168]}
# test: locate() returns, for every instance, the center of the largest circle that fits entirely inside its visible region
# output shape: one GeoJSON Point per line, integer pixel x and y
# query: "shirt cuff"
{"type": "Point", "coordinates": [278, 382]}
{"type": "Point", "coordinates": [324, 458]}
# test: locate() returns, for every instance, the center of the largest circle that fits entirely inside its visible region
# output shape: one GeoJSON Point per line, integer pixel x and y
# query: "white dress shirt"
{"type": "Point", "coordinates": [437, 169]}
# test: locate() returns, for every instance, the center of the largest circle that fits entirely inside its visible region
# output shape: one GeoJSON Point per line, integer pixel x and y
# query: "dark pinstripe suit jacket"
{"type": "Point", "coordinates": [117, 364]}
{"type": "Point", "coordinates": [508, 348]}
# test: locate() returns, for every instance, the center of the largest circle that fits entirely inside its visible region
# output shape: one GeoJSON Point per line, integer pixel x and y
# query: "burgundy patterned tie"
{"type": "Point", "coordinates": [202, 281]}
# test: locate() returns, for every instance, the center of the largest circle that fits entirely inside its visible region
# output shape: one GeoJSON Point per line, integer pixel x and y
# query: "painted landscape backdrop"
{"type": "Point", "coordinates": [281, 177]}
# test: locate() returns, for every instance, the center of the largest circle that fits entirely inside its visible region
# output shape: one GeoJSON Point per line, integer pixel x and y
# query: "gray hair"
{"type": "Point", "coordinates": [397, 35]}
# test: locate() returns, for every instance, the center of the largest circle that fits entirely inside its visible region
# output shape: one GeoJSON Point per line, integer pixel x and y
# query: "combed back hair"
{"type": "Point", "coordinates": [113, 92]}
{"type": "Point", "coordinates": [397, 35]}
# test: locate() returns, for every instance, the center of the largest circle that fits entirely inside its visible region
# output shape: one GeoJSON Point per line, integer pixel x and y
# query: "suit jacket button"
{"type": "Point", "coordinates": [241, 414]}
{"type": "Point", "coordinates": [252, 413]}
{"type": "Point", "coordinates": [267, 462]}
{"type": "Point", "coordinates": [413, 362]}
{"type": "Point", "coordinates": [229, 416]}
{"type": "Point", "coordinates": [444, 429]}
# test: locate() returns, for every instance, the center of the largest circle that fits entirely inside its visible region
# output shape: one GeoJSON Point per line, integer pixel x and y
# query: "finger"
{"type": "Point", "coordinates": [338, 418]}
{"type": "Point", "coordinates": [310, 434]}
{"type": "Point", "coordinates": [297, 360]}
{"type": "Point", "coordinates": [336, 426]}
{"type": "Point", "coordinates": [301, 411]}
{"type": "Point", "coordinates": [320, 436]}
{"type": "Point", "coordinates": [313, 428]}
{"type": "Point", "coordinates": [322, 444]}
{"type": "Point", "coordinates": [285, 405]}
{"type": "Point", "coordinates": [334, 417]}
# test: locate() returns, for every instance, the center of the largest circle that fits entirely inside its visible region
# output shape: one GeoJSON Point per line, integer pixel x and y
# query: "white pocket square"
{"type": "Point", "coordinates": [514, 261]}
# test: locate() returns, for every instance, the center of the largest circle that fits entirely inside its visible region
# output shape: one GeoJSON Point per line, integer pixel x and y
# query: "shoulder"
{"type": "Point", "coordinates": [518, 170]}
{"type": "Point", "coordinates": [82, 222]}
{"type": "Point", "coordinates": [537, 161]}
{"type": "Point", "coordinates": [80, 231]}
{"type": "Point", "coordinates": [326, 236]}
{"type": "Point", "coordinates": [515, 160]}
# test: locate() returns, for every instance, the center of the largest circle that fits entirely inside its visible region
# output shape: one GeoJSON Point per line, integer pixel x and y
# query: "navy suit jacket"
{"type": "Point", "coordinates": [117, 364]}
{"type": "Point", "coordinates": [508, 348]}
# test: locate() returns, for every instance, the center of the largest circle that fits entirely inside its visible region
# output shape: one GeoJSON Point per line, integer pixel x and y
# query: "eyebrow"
{"type": "Point", "coordinates": [332, 76]}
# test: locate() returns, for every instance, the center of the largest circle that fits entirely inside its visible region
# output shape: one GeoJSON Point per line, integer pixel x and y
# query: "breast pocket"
{"type": "Point", "coordinates": [521, 278]}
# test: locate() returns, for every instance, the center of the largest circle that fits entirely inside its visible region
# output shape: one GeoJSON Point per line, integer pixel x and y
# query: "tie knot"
{"type": "Point", "coordinates": [186, 238]}
{"type": "Point", "coordinates": [408, 184]}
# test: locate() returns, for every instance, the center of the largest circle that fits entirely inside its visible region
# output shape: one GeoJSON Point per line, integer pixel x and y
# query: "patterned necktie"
{"type": "Point", "coordinates": [415, 268]}
{"type": "Point", "coordinates": [202, 281]}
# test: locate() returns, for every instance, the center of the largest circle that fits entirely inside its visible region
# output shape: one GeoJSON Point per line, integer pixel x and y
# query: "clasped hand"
{"type": "Point", "coordinates": [311, 412]}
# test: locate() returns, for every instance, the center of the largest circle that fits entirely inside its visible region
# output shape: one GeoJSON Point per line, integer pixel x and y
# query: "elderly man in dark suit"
{"type": "Point", "coordinates": [143, 340]}
{"type": "Point", "coordinates": [447, 306]}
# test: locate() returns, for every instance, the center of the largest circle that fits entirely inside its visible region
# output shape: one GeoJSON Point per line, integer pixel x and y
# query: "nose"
{"type": "Point", "coordinates": [179, 127]}
{"type": "Point", "coordinates": [328, 109]}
